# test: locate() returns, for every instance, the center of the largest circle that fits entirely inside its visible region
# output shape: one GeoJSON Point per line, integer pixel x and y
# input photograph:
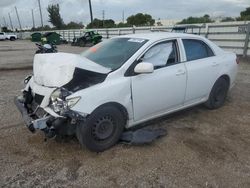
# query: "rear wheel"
{"type": "Point", "coordinates": [12, 38]}
{"type": "Point", "coordinates": [102, 129]}
{"type": "Point", "coordinates": [218, 94]}
{"type": "Point", "coordinates": [38, 51]}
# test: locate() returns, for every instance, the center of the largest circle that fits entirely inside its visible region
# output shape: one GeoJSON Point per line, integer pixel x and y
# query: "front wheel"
{"type": "Point", "coordinates": [102, 129]}
{"type": "Point", "coordinates": [218, 94]}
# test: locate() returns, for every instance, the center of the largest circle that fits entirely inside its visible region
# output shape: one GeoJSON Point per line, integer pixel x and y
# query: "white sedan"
{"type": "Point", "coordinates": [122, 82]}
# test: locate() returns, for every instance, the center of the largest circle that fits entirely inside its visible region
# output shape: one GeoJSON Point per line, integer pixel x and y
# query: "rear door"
{"type": "Point", "coordinates": [164, 89]}
{"type": "Point", "coordinates": [202, 67]}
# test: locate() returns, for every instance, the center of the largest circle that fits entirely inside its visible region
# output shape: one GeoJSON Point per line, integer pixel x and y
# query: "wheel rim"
{"type": "Point", "coordinates": [103, 128]}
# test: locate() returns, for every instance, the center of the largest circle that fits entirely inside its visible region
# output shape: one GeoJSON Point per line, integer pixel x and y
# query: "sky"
{"type": "Point", "coordinates": [78, 10]}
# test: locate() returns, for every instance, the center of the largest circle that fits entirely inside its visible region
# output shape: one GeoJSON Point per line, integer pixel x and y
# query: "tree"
{"type": "Point", "coordinates": [5, 29]}
{"type": "Point", "coordinates": [101, 23]}
{"type": "Point", "coordinates": [74, 25]}
{"type": "Point", "coordinates": [245, 15]}
{"type": "Point", "coordinates": [192, 20]}
{"type": "Point", "coordinates": [54, 16]}
{"type": "Point", "coordinates": [44, 28]}
{"type": "Point", "coordinates": [121, 24]}
{"type": "Point", "coordinates": [140, 20]}
{"type": "Point", "coordinates": [228, 19]}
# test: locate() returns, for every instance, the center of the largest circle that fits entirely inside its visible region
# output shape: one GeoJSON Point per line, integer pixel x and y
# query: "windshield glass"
{"type": "Point", "coordinates": [113, 53]}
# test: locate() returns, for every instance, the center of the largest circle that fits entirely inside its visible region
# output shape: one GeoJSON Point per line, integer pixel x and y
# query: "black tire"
{"type": "Point", "coordinates": [38, 52]}
{"type": "Point", "coordinates": [82, 43]}
{"type": "Point", "coordinates": [102, 129]}
{"type": "Point", "coordinates": [12, 38]}
{"type": "Point", "coordinates": [218, 94]}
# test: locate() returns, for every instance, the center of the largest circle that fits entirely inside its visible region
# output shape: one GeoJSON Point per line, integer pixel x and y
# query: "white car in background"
{"type": "Point", "coordinates": [122, 82]}
{"type": "Point", "coordinates": [4, 36]}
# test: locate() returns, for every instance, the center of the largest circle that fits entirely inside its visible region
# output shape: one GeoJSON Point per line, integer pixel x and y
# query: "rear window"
{"type": "Point", "coordinates": [196, 49]}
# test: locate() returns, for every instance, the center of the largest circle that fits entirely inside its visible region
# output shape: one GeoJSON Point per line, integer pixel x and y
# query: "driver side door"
{"type": "Point", "coordinates": [156, 93]}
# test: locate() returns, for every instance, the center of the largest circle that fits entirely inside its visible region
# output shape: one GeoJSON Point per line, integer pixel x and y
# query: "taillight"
{"type": "Point", "coordinates": [237, 60]}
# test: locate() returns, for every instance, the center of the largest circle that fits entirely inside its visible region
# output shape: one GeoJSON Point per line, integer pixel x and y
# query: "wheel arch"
{"type": "Point", "coordinates": [225, 77]}
{"type": "Point", "coordinates": [117, 105]}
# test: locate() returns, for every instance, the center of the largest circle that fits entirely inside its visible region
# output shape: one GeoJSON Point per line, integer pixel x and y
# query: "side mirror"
{"type": "Point", "coordinates": [144, 68]}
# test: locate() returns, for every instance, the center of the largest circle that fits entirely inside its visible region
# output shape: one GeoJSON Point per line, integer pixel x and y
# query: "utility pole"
{"type": "Point", "coordinates": [33, 20]}
{"type": "Point", "coordinates": [5, 24]}
{"type": "Point", "coordinates": [18, 19]}
{"type": "Point", "coordinates": [11, 23]}
{"type": "Point", "coordinates": [39, 3]}
{"type": "Point", "coordinates": [123, 16]}
{"type": "Point", "coordinates": [90, 10]}
{"type": "Point", "coordinates": [103, 17]}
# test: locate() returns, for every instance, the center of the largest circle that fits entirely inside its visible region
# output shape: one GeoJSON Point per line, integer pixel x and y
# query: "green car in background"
{"type": "Point", "coordinates": [89, 37]}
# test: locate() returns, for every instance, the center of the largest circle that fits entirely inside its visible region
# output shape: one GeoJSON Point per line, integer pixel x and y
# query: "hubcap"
{"type": "Point", "coordinates": [103, 128]}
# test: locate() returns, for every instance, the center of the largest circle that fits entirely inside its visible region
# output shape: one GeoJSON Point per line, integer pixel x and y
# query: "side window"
{"type": "Point", "coordinates": [196, 49]}
{"type": "Point", "coordinates": [1, 33]}
{"type": "Point", "coordinates": [162, 54]}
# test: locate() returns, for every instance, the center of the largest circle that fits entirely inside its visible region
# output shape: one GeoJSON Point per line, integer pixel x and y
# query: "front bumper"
{"type": "Point", "coordinates": [48, 123]}
{"type": "Point", "coordinates": [30, 120]}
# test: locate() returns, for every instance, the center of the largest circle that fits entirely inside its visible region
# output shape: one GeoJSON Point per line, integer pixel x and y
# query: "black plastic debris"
{"type": "Point", "coordinates": [142, 136]}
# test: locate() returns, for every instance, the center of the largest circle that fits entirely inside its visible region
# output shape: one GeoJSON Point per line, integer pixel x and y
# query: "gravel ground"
{"type": "Point", "coordinates": [203, 148]}
{"type": "Point", "coordinates": [20, 53]}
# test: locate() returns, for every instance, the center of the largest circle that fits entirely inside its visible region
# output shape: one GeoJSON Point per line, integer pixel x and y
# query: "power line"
{"type": "Point", "coordinates": [18, 19]}
{"type": "Point", "coordinates": [39, 3]}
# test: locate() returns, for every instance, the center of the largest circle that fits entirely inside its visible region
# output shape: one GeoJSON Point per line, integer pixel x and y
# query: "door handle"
{"type": "Point", "coordinates": [180, 72]}
{"type": "Point", "coordinates": [215, 64]}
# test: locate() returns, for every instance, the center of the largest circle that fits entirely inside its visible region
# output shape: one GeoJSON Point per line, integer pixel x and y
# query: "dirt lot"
{"type": "Point", "coordinates": [20, 53]}
{"type": "Point", "coordinates": [202, 149]}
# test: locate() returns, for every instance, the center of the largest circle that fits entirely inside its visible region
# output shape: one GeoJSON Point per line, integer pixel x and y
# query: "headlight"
{"type": "Point", "coordinates": [59, 103]}
{"type": "Point", "coordinates": [61, 93]}
{"type": "Point", "coordinates": [56, 94]}
{"type": "Point", "coordinates": [72, 102]}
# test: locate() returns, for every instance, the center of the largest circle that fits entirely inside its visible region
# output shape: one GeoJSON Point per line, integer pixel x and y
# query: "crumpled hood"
{"type": "Point", "coordinates": [57, 69]}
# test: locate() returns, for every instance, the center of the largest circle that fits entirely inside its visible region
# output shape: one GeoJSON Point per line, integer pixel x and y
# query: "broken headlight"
{"type": "Point", "coordinates": [59, 103]}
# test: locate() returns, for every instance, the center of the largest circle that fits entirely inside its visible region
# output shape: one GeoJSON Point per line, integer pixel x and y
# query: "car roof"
{"type": "Point", "coordinates": [160, 35]}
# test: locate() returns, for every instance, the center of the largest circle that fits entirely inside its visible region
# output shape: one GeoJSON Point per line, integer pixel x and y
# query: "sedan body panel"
{"type": "Point", "coordinates": [160, 91]}
{"type": "Point", "coordinates": [170, 88]}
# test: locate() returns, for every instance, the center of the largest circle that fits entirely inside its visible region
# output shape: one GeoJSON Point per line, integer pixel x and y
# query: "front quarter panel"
{"type": "Point", "coordinates": [111, 90]}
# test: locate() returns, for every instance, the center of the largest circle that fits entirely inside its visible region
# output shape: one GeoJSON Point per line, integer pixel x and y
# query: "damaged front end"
{"type": "Point", "coordinates": [45, 102]}
{"type": "Point", "coordinates": [55, 119]}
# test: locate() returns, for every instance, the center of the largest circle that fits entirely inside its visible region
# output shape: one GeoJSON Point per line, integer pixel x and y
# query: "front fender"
{"type": "Point", "coordinates": [115, 90]}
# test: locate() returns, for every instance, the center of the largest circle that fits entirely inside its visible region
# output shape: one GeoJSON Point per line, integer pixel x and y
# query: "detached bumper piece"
{"type": "Point", "coordinates": [19, 102]}
{"type": "Point", "coordinates": [31, 120]}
